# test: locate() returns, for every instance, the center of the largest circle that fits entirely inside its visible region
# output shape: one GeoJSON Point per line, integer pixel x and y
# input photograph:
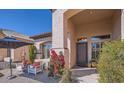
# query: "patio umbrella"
{"type": "Point", "coordinates": [12, 43]}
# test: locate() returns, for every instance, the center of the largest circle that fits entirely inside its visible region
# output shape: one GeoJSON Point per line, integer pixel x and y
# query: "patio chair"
{"type": "Point", "coordinates": [34, 68]}
{"type": "Point", "coordinates": [19, 69]}
{"type": "Point", "coordinates": [7, 59]}
{"type": "Point", "coordinates": [23, 67]}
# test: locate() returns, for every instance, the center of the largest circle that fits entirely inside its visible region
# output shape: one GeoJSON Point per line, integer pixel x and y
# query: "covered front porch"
{"type": "Point", "coordinates": [80, 33]}
{"type": "Point", "coordinates": [88, 30]}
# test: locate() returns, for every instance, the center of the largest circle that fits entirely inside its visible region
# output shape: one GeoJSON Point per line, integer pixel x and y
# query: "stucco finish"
{"type": "Point", "coordinates": [65, 32]}
{"type": "Point", "coordinates": [116, 25]}
{"type": "Point", "coordinates": [122, 24]}
{"type": "Point", "coordinates": [58, 29]}
{"type": "Point", "coordinates": [3, 53]}
{"type": "Point", "coordinates": [59, 33]}
{"type": "Point", "coordinates": [102, 27]}
{"type": "Point", "coordinates": [71, 44]}
{"type": "Point", "coordinates": [19, 52]}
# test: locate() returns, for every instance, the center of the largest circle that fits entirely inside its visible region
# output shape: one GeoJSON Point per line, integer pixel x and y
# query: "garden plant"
{"type": "Point", "coordinates": [32, 53]}
{"type": "Point", "coordinates": [111, 62]}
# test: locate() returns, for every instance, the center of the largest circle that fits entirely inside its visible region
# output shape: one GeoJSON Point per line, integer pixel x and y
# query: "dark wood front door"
{"type": "Point", "coordinates": [82, 54]}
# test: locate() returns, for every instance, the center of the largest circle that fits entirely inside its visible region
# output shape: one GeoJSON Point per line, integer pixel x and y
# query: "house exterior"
{"type": "Point", "coordinates": [43, 43]}
{"type": "Point", "coordinates": [80, 33]}
{"type": "Point", "coordinates": [16, 54]}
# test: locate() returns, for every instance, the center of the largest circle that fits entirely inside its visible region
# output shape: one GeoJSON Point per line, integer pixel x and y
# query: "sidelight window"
{"type": "Point", "coordinates": [97, 43]}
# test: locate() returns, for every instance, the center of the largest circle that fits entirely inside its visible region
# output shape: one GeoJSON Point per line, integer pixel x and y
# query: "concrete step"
{"type": "Point", "coordinates": [79, 72]}
{"type": "Point", "coordinates": [81, 75]}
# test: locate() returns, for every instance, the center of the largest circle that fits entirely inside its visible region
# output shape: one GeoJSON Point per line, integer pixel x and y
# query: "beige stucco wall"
{"type": "Point", "coordinates": [116, 25]}
{"type": "Point", "coordinates": [59, 40]}
{"type": "Point", "coordinates": [65, 32]}
{"type": "Point", "coordinates": [18, 53]}
{"type": "Point", "coordinates": [3, 53]}
{"type": "Point", "coordinates": [58, 28]}
{"type": "Point", "coordinates": [71, 44]}
{"type": "Point", "coordinates": [122, 24]}
{"type": "Point", "coordinates": [101, 27]}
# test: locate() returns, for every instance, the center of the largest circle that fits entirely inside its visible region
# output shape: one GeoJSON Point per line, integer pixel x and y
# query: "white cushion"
{"type": "Point", "coordinates": [7, 59]}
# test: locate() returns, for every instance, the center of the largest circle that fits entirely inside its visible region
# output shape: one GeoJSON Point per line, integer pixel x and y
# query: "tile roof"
{"type": "Point", "coordinates": [47, 34]}
{"type": "Point", "coordinates": [11, 33]}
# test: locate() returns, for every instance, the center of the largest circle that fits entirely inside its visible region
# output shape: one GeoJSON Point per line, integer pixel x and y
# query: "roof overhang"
{"type": "Point", "coordinates": [44, 35]}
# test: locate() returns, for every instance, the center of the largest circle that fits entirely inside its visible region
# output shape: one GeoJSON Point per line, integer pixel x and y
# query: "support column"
{"type": "Point", "coordinates": [122, 24]}
{"type": "Point", "coordinates": [58, 33]}
{"type": "Point", "coordinates": [89, 49]}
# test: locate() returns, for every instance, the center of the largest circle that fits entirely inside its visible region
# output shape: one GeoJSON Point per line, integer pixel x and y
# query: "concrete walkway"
{"type": "Point", "coordinates": [93, 78]}
{"type": "Point", "coordinates": [26, 78]}
{"type": "Point", "coordinates": [18, 79]}
{"type": "Point", "coordinates": [82, 75]}
{"type": "Point", "coordinates": [85, 75]}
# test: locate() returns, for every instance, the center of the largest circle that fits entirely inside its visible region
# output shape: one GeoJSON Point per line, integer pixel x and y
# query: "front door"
{"type": "Point", "coordinates": [82, 54]}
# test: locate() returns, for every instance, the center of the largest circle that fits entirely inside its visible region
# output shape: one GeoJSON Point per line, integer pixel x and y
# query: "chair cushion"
{"type": "Point", "coordinates": [36, 64]}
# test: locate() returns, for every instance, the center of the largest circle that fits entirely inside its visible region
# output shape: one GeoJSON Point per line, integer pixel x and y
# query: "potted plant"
{"type": "Point", "coordinates": [32, 53]}
{"type": "Point", "coordinates": [90, 65]}
{"type": "Point", "coordinates": [93, 63]}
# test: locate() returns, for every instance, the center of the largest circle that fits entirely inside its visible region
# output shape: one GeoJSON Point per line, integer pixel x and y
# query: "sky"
{"type": "Point", "coordinates": [29, 22]}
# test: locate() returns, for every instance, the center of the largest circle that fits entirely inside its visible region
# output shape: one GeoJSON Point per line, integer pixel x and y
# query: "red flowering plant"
{"type": "Point", "coordinates": [57, 64]}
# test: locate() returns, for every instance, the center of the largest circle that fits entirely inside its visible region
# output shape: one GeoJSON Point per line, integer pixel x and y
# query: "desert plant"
{"type": "Point", "coordinates": [66, 77]}
{"type": "Point", "coordinates": [60, 70]}
{"type": "Point", "coordinates": [32, 53]}
{"type": "Point", "coordinates": [51, 70]}
{"type": "Point", "coordinates": [111, 62]}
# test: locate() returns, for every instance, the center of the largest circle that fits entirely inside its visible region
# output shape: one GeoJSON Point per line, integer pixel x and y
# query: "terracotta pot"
{"type": "Point", "coordinates": [94, 64]}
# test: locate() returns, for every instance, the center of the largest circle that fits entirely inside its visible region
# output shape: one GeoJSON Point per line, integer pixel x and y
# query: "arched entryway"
{"type": "Point", "coordinates": [87, 31]}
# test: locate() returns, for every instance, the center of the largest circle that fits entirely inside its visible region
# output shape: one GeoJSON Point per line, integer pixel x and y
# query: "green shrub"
{"type": "Point", "coordinates": [32, 53]}
{"type": "Point", "coordinates": [51, 70]}
{"type": "Point", "coordinates": [111, 62]}
{"type": "Point", "coordinates": [60, 70]}
{"type": "Point", "coordinates": [66, 78]}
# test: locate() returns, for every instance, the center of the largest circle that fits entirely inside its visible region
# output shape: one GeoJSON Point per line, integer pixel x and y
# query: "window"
{"type": "Point", "coordinates": [97, 43]}
{"type": "Point", "coordinates": [46, 49]}
{"type": "Point", "coordinates": [102, 37]}
{"type": "Point", "coordinates": [96, 47]}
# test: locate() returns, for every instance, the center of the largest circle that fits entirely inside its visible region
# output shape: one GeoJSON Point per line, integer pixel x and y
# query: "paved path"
{"type": "Point", "coordinates": [93, 78]}
{"type": "Point", "coordinates": [43, 78]}
{"type": "Point", "coordinates": [26, 78]}
{"type": "Point", "coordinates": [18, 79]}
{"type": "Point", "coordinates": [85, 75]}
